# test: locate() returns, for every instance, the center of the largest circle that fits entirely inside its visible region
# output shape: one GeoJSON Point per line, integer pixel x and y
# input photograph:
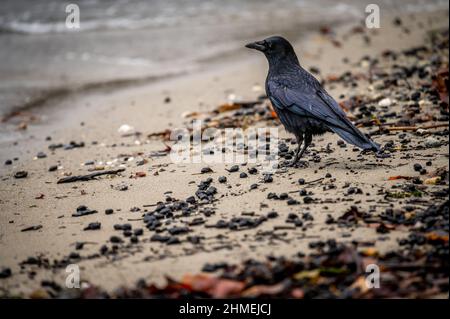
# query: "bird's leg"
{"type": "Point", "coordinates": [308, 140]}
{"type": "Point", "coordinates": [299, 147]}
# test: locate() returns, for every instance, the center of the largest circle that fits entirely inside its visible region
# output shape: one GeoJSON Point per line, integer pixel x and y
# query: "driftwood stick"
{"type": "Point", "coordinates": [88, 177]}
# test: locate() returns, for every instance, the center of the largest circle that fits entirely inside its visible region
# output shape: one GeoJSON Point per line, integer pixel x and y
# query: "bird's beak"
{"type": "Point", "coordinates": [258, 45]}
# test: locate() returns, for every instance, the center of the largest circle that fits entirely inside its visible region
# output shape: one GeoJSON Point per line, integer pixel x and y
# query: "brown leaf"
{"type": "Point", "coordinates": [140, 174]}
{"type": "Point", "coordinates": [436, 237]}
{"type": "Point", "coordinates": [393, 178]}
{"type": "Point", "coordinates": [216, 287]}
{"type": "Point", "coordinates": [260, 290]}
{"type": "Point", "coordinates": [226, 288]}
{"type": "Point", "coordinates": [360, 283]}
{"type": "Point", "coordinates": [228, 107]}
{"type": "Point", "coordinates": [297, 293]}
{"type": "Point", "coordinates": [440, 84]}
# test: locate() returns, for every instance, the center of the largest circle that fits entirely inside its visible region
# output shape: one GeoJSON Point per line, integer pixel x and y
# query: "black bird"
{"type": "Point", "coordinates": [301, 103]}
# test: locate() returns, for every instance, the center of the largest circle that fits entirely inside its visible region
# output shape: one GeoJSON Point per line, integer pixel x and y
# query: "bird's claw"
{"type": "Point", "coordinates": [382, 154]}
{"type": "Point", "coordinates": [296, 164]}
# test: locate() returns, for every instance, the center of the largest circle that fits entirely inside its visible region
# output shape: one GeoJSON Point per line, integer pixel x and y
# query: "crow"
{"type": "Point", "coordinates": [300, 102]}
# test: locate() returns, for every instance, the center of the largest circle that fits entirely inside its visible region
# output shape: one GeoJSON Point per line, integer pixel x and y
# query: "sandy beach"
{"type": "Point", "coordinates": [79, 133]}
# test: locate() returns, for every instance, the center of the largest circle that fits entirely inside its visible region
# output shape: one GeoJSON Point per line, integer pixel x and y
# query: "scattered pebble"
{"type": "Point", "coordinates": [21, 174]}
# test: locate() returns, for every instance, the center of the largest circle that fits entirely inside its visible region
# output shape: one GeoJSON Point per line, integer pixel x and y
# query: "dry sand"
{"type": "Point", "coordinates": [97, 117]}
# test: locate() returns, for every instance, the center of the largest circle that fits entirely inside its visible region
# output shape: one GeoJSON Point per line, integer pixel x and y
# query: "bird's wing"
{"type": "Point", "coordinates": [309, 103]}
{"type": "Point", "coordinates": [314, 102]}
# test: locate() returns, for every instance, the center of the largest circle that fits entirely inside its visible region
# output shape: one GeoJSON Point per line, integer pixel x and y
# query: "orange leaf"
{"type": "Point", "coordinates": [228, 107]}
{"type": "Point", "coordinates": [140, 174]}
{"type": "Point", "coordinates": [226, 288]}
{"type": "Point", "coordinates": [393, 178]}
{"type": "Point", "coordinates": [297, 293]}
{"type": "Point", "coordinates": [437, 237]}
{"type": "Point", "coordinates": [370, 252]}
{"type": "Point", "coordinates": [360, 283]}
{"type": "Point", "coordinates": [258, 290]}
{"type": "Point", "coordinates": [216, 287]}
{"type": "Point", "coordinates": [198, 282]}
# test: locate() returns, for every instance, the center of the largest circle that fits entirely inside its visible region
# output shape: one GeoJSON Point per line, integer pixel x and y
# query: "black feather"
{"type": "Point", "coordinates": [301, 103]}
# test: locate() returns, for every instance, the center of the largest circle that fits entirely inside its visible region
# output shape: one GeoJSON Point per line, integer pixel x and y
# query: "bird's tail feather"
{"type": "Point", "coordinates": [359, 140]}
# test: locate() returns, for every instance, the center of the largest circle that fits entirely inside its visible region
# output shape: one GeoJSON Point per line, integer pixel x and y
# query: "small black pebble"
{"type": "Point", "coordinates": [272, 214]}
{"type": "Point", "coordinates": [173, 241]}
{"type": "Point", "coordinates": [21, 174]}
{"type": "Point", "coordinates": [206, 170]}
{"type": "Point", "coordinates": [5, 273]}
{"type": "Point", "coordinates": [415, 96]}
{"type": "Point", "coordinates": [222, 179]}
{"type": "Point", "coordinates": [74, 255]}
{"type": "Point", "coordinates": [268, 179]}
{"type": "Point", "coordinates": [103, 249]}
{"type": "Point", "coordinates": [93, 226]}
{"type": "Point", "coordinates": [115, 239]}
{"type": "Point", "coordinates": [41, 155]}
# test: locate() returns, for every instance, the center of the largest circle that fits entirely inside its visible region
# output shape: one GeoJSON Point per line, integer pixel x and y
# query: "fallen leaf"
{"type": "Point", "coordinates": [259, 290]}
{"type": "Point", "coordinates": [370, 251]}
{"type": "Point", "coordinates": [226, 288]}
{"type": "Point", "coordinates": [216, 287]}
{"type": "Point", "coordinates": [228, 107]}
{"type": "Point", "coordinates": [307, 274]}
{"type": "Point", "coordinates": [140, 174]}
{"type": "Point", "coordinates": [360, 283]}
{"type": "Point", "coordinates": [297, 293]}
{"type": "Point", "coordinates": [393, 178]}
{"type": "Point", "coordinates": [437, 237]}
{"type": "Point", "coordinates": [433, 180]}
{"type": "Point", "coordinates": [39, 294]}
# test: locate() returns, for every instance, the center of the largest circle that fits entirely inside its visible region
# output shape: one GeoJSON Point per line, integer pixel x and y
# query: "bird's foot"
{"type": "Point", "coordinates": [296, 164]}
{"type": "Point", "coordinates": [382, 154]}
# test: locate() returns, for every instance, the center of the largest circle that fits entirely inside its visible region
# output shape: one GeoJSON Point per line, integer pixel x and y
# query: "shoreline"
{"type": "Point", "coordinates": [144, 108]}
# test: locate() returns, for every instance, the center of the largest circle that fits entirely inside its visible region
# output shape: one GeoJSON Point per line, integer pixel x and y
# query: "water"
{"type": "Point", "coordinates": [135, 40]}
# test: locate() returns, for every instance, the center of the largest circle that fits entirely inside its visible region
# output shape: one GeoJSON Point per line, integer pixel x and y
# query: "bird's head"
{"type": "Point", "coordinates": [275, 48]}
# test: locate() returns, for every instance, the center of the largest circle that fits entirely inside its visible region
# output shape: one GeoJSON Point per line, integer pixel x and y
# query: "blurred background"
{"type": "Point", "coordinates": [123, 41]}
